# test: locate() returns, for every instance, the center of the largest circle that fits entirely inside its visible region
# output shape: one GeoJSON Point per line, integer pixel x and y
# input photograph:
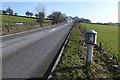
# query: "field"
{"type": "Point", "coordinates": [13, 19]}
{"type": "Point", "coordinates": [108, 35]}
{"type": "Point", "coordinates": [9, 25]}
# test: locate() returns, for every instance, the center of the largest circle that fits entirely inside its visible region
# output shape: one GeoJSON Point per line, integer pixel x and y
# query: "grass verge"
{"type": "Point", "coordinates": [73, 61]}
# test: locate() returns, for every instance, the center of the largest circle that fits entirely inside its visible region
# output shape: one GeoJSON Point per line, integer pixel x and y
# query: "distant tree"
{"type": "Point", "coordinates": [15, 14]}
{"type": "Point", "coordinates": [0, 11]}
{"type": "Point", "coordinates": [76, 19]}
{"type": "Point", "coordinates": [27, 13]}
{"type": "Point", "coordinates": [41, 14]}
{"type": "Point", "coordinates": [85, 20]}
{"type": "Point", "coordinates": [36, 15]}
{"type": "Point", "coordinates": [9, 11]}
{"type": "Point", "coordinates": [57, 17]}
{"type": "Point", "coordinates": [4, 12]}
{"type": "Point", "coordinates": [31, 14]}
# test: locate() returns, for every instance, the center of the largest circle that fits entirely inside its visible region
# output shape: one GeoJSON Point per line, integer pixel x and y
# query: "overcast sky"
{"type": "Point", "coordinates": [95, 11]}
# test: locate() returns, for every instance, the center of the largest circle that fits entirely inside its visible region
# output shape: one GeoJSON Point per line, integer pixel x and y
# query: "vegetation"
{"type": "Point", "coordinates": [6, 19]}
{"type": "Point", "coordinates": [57, 17]}
{"type": "Point", "coordinates": [73, 61]}
{"type": "Point", "coordinates": [29, 14]}
{"type": "Point", "coordinates": [9, 24]}
{"type": "Point", "coordinates": [107, 35]}
{"type": "Point", "coordinates": [41, 15]}
{"type": "Point", "coordinates": [8, 11]}
{"type": "Point", "coordinates": [82, 20]}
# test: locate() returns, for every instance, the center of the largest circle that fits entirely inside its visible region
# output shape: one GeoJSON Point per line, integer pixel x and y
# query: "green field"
{"type": "Point", "coordinates": [107, 34]}
{"type": "Point", "coordinates": [13, 19]}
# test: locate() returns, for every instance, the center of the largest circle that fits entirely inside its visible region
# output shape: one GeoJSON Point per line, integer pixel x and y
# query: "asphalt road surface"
{"type": "Point", "coordinates": [29, 54]}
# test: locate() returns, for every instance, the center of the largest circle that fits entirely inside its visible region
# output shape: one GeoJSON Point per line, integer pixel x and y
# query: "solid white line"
{"type": "Point", "coordinates": [59, 57]}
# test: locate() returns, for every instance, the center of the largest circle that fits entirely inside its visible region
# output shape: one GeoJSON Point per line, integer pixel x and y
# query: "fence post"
{"type": "Point", "coordinates": [90, 40]}
{"type": "Point", "coordinates": [100, 47]}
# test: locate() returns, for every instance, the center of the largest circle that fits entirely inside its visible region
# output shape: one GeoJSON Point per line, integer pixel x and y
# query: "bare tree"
{"type": "Point", "coordinates": [41, 14]}
{"type": "Point", "coordinates": [9, 11]}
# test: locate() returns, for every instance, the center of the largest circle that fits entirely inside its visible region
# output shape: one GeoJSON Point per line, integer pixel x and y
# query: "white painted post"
{"type": "Point", "coordinates": [90, 39]}
{"type": "Point", "coordinates": [89, 54]}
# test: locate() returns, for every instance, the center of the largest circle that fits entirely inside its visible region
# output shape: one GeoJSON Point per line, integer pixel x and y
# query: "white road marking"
{"type": "Point", "coordinates": [2, 46]}
{"type": "Point", "coordinates": [39, 34]}
{"type": "Point", "coordinates": [52, 30]}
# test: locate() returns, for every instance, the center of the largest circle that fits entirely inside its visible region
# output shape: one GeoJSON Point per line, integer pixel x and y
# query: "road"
{"type": "Point", "coordinates": [29, 54]}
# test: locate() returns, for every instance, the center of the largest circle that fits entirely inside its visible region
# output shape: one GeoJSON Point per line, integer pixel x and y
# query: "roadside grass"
{"type": "Point", "coordinates": [107, 35]}
{"type": "Point", "coordinates": [73, 61]}
{"type": "Point", "coordinates": [9, 26]}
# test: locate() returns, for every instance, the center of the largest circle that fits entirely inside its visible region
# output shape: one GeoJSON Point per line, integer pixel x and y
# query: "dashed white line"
{"type": "Point", "coordinates": [52, 30]}
{"type": "Point", "coordinates": [2, 46]}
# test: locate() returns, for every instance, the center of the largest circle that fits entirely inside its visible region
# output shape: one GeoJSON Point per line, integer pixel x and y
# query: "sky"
{"type": "Point", "coordinates": [95, 11]}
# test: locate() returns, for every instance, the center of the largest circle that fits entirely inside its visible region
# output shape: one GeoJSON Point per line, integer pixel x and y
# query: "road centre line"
{"type": "Point", "coordinates": [2, 46]}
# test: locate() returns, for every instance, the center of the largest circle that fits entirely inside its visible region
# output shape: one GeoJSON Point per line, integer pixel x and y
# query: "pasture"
{"type": "Point", "coordinates": [6, 19]}
{"type": "Point", "coordinates": [14, 24]}
{"type": "Point", "coordinates": [108, 35]}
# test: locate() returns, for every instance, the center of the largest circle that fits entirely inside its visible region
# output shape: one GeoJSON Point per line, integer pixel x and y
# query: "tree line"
{"type": "Point", "coordinates": [56, 16]}
{"type": "Point", "coordinates": [8, 11]}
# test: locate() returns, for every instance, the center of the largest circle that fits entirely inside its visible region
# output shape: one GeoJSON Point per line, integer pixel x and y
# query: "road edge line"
{"type": "Point", "coordinates": [58, 56]}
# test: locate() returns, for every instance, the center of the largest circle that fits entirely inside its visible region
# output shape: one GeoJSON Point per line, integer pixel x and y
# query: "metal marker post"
{"type": "Point", "coordinates": [90, 40]}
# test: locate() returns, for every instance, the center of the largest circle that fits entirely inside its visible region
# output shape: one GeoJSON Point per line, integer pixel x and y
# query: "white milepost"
{"type": "Point", "coordinates": [90, 40]}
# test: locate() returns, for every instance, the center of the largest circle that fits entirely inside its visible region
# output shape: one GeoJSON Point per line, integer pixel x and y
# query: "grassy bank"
{"type": "Point", "coordinates": [73, 61]}
{"type": "Point", "coordinates": [108, 35]}
{"type": "Point", "coordinates": [9, 25]}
